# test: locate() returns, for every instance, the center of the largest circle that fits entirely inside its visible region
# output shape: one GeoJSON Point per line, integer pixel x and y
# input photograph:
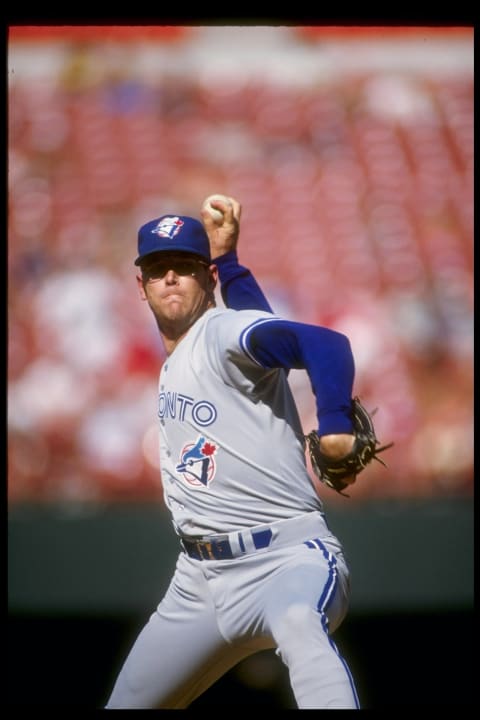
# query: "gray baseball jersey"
{"type": "Point", "coordinates": [219, 471]}
{"type": "Point", "coordinates": [266, 571]}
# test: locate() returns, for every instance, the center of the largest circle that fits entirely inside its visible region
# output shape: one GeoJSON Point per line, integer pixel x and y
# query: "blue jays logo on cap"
{"type": "Point", "coordinates": [173, 233]}
{"type": "Point", "coordinates": [168, 227]}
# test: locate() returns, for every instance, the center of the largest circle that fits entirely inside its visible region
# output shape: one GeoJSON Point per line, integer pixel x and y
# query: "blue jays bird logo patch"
{"type": "Point", "coordinates": [197, 462]}
{"type": "Point", "coordinates": [168, 227]}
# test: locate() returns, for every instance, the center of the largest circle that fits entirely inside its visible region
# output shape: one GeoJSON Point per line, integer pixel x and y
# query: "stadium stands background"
{"type": "Point", "coordinates": [351, 151]}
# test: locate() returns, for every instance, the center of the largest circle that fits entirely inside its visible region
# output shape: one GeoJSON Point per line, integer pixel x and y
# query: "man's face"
{"type": "Point", "coordinates": [178, 287]}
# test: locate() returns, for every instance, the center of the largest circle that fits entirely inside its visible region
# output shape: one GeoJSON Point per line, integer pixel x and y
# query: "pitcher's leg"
{"type": "Point", "coordinates": [319, 676]}
{"type": "Point", "coordinates": [179, 653]}
{"type": "Point", "coordinates": [307, 601]}
{"type": "Point", "coordinates": [171, 664]}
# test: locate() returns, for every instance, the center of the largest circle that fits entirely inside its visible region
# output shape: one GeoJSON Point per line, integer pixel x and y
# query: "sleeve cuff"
{"type": "Point", "coordinates": [334, 423]}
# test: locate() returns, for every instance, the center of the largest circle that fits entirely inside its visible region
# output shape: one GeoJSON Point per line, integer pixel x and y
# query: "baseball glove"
{"type": "Point", "coordinates": [332, 472]}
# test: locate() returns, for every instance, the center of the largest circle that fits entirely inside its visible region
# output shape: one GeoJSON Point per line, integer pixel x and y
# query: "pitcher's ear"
{"type": "Point", "coordinates": [140, 287]}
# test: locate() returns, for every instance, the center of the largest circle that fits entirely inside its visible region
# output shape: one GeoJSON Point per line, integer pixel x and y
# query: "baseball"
{"type": "Point", "coordinates": [217, 215]}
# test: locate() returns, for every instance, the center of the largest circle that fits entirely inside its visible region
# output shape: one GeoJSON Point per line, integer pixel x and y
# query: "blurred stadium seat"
{"type": "Point", "coordinates": [357, 197]}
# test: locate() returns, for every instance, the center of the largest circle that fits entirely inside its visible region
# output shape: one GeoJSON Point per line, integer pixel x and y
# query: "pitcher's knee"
{"type": "Point", "coordinates": [300, 621]}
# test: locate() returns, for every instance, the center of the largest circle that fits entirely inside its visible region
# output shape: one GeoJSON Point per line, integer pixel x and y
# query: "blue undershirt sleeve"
{"type": "Point", "coordinates": [238, 287]}
{"type": "Point", "coordinates": [325, 354]}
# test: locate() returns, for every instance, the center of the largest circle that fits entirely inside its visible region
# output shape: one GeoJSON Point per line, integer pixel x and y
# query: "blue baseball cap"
{"type": "Point", "coordinates": [173, 233]}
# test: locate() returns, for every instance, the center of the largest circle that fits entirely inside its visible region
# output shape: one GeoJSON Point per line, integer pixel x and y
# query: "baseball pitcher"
{"type": "Point", "coordinates": [258, 567]}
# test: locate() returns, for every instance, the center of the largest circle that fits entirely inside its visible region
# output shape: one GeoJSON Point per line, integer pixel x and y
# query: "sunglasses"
{"type": "Point", "coordinates": [180, 266]}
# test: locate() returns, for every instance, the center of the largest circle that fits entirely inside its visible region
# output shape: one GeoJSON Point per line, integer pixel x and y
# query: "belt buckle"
{"type": "Point", "coordinates": [207, 547]}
